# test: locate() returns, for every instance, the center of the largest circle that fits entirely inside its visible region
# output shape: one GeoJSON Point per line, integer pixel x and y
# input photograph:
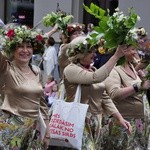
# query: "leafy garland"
{"type": "Point", "coordinates": [116, 29]}
{"type": "Point", "coordinates": [60, 18]}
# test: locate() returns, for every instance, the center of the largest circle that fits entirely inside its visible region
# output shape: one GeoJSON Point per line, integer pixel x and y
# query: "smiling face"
{"type": "Point", "coordinates": [132, 54]}
{"type": "Point", "coordinates": [23, 53]}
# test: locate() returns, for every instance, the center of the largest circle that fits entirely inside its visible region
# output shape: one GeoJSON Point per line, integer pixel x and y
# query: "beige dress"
{"type": "Point", "coordinates": [131, 108]}
{"type": "Point", "coordinates": [63, 60]}
{"type": "Point", "coordinates": [92, 93]}
{"type": "Point", "coordinates": [19, 112]}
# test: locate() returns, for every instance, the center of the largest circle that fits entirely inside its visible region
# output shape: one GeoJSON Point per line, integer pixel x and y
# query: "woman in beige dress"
{"type": "Point", "coordinates": [19, 113]}
{"type": "Point", "coordinates": [125, 88]}
{"type": "Point", "coordinates": [80, 71]}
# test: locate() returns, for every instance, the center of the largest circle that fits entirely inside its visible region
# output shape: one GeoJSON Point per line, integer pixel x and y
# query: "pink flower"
{"type": "Point", "coordinates": [139, 125]}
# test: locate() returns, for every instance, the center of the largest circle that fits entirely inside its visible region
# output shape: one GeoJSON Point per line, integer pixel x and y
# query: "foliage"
{"type": "Point", "coordinates": [60, 18]}
{"type": "Point", "coordinates": [116, 29]}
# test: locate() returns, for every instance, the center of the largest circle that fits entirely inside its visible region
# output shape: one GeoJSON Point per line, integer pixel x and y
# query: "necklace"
{"type": "Point", "coordinates": [26, 73]}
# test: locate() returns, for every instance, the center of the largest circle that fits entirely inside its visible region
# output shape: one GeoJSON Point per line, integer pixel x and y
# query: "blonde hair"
{"type": "Point", "coordinates": [75, 59]}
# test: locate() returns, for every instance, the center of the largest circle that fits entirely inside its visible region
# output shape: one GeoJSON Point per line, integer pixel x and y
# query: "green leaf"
{"type": "Point", "coordinates": [60, 18]}
{"type": "Point", "coordinates": [94, 10]}
{"type": "Point", "coordinates": [115, 29]}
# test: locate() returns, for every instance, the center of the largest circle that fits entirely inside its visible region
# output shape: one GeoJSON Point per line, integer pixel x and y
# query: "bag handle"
{"type": "Point", "coordinates": [78, 94]}
{"type": "Point", "coordinates": [62, 91]}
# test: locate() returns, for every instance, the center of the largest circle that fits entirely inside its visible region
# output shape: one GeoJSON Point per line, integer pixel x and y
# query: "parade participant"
{"type": "Point", "coordinates": [73, 30]}
{"type": "Point", "coordinates": [80, 71]}
{"type": "Point", "coordinates": [124, 86]}
{"type": "Point", "coordinates": [19, 113]}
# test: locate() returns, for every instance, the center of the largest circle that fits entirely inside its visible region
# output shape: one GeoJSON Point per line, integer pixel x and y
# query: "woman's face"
{"type": "Point", "coordinates": [143, 41]}
{"type": "Point", "coordinates": [132, 54]}
{"type": "Point", "coordinates": [88, 59]}
{"type": "Point", "coordinates": [23, 53]}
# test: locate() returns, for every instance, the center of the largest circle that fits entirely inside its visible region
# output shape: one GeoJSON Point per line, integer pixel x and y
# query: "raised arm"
{"type": "Point", "coordinates": [52, 31]}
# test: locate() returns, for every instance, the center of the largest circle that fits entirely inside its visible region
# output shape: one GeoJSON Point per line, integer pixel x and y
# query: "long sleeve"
{"type": "Point", "coordinates": [108, 105]}
{"type": "Point", "coordinates": [113, 85]}
{"type": "Point", "coordinates": [117, 84]}
{"type": "Point", "coordinates": [83, 76]}
{"type": "Point", "coordinates": [92, 88]}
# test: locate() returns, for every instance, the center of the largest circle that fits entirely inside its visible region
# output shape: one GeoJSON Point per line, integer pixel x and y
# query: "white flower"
{"type": "Point", "coordinates": [120, 18]}
{"type": "Point", "coordinates": [33, 34]}
{"type": "Point", "coordinates": [20, 40]}
{"type": "Point", "coordinates": [142, 31]}
{"type": "Point", "coordinates": [85, 42]}
{"type": "Point", "coordinates": [133, 30]}
{"type": "Point", "coordinates": [115, 14]}
{"type": "Point", "coordinates": [117, 9]}
{"type": "Point", "coordinates": [138, 18]}
{"type": "Point", "coordinates": [24, 27]}
{"type": "Point", "coordinates": [74, 25]}
{"type": "Point", "coordinates": [20, 33]}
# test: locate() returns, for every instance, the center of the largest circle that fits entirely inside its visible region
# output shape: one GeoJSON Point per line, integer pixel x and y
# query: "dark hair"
{"type": "Point", "coordinates": [51, 41]}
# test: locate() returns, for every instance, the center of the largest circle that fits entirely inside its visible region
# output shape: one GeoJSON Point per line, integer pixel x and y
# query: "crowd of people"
{"type": "Point", "coordinates": [116, 118]}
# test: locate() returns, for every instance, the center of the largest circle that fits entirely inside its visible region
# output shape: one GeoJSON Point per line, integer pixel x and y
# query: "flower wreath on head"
{"type": "Point", "coordinates": [141, 31]}
{"type": "Point", "coordinates": [71, 28]}
{"type": "Point", "coordinates": [81, 46]}
{"type": "Point", "coordinates": [11, 37]}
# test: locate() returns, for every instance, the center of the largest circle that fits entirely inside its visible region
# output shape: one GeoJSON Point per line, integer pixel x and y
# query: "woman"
{"type": "Point", "coordinates": [125, 88]}
{"type": "Point", "coordinates": [144, 46]}
{"type": "Point", "coordinates": [81, 72]}
{"type": "Point", "coordinates": [19, 113]}
{"type": "Point", "coordinates": [73, 30]}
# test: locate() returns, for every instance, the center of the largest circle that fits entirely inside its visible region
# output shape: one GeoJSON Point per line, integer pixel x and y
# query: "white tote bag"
{"type": "Point", "coordinates": [67, 122]}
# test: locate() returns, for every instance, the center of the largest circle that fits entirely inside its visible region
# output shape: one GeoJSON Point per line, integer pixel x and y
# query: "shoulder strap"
{"type": "Point", "coordinates": [78, 94]}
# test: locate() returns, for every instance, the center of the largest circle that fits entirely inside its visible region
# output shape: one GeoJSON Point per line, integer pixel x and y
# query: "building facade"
{"type": "Point", "coordinates": [31, 12]}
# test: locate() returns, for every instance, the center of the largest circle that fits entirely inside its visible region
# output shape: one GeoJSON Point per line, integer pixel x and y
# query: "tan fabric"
{"type": "Point", "coordinates": [129, 107]}
{"type": "Point", "coordinates": [63, 60]}
{"type": "Point", "coordinates": [23, 96]}
{"type": "Point", "coordinates": [92, 88]}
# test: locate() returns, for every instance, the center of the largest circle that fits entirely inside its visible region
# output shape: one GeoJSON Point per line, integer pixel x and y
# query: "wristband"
{"type": "Point", "coordinates": [135, 87]}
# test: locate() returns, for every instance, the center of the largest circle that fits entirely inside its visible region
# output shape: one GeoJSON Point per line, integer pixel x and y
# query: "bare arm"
{"type": "Point", "coordinates": [123, 122]}
{"type": "Point", "coordinates": [51, 32]}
